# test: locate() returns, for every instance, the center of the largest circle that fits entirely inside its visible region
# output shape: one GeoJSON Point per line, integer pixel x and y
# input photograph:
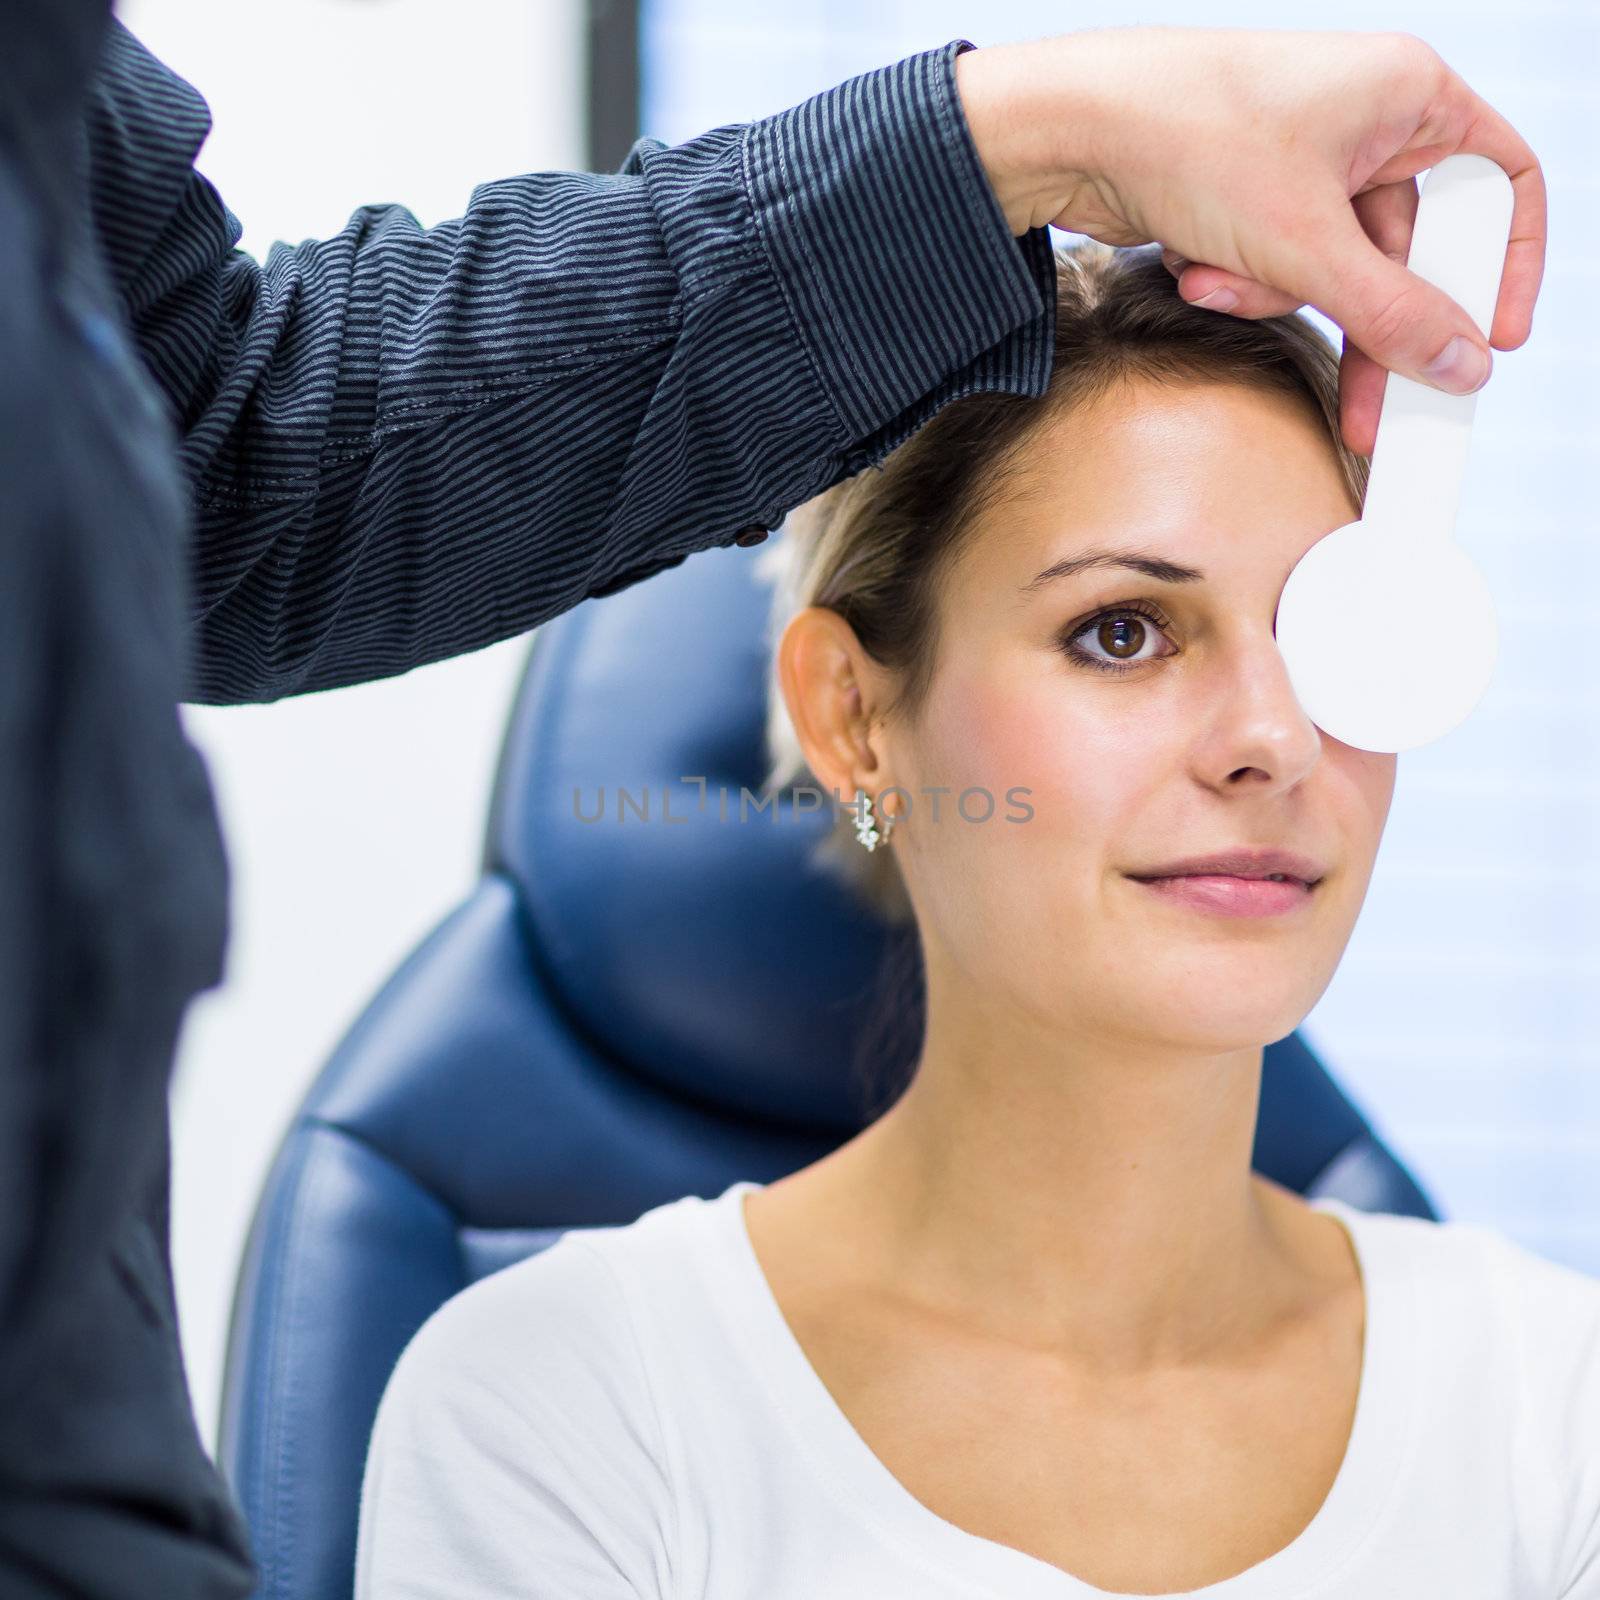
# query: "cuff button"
{"type": "Point", "coordinates": [754, 534]}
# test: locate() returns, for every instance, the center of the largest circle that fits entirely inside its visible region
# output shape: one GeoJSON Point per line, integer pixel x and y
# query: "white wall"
{"type": "Point", "coordinates": [354, 818]}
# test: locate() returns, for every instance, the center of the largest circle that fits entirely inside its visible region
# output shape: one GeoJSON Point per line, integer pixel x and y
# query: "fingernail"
{"type": "Point", "coordinates": [1217, 300]}
{"type": "Point", "coordinates": [1460, 368]}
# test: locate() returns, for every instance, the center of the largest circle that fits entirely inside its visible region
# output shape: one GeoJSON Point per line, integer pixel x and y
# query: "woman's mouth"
{"type": "Point", "coordinates": [1226, 896]}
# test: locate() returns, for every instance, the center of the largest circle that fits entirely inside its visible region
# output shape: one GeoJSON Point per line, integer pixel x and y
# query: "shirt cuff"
{"type": "Point", "coordinates": [900, 273]}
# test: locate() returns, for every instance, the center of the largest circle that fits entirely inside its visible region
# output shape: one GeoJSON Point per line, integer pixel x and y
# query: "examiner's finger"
{"type": "Point", "coordinates": [1196, 280]}
{"type": "Point", "coordinates": [1388, 212]}
{"type": "Point", "coordinates": [1388, 215]}
{"type": "Point", "coordinates": [1361, 385]}
{"type": "Point", "coordinates": [1489, 134]}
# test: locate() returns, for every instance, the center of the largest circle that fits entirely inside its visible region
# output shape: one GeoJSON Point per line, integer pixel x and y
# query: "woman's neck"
{"type": "Point", "coordinates": [1102, 1208]}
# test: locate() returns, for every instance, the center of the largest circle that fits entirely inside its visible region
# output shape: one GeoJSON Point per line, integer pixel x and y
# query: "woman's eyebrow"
{"type": "Point", "coordinates": [1152, 566]}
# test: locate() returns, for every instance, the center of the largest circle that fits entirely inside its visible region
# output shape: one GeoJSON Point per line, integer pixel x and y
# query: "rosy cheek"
{"type": "Point", "coordinates": [1092, 768]}
{"type": "Point", "coordinates": [983, 736]}
{"type": "Point", "coordinates": [1075, 756]}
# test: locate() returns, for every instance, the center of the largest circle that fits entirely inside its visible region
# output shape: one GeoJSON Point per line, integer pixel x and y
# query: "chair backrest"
{"type": "Point", "coordinates": [623, 1012]}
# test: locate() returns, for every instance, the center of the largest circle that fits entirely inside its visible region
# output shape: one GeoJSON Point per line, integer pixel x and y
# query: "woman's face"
{"type": "Point", "coordinates": [1141, 739]}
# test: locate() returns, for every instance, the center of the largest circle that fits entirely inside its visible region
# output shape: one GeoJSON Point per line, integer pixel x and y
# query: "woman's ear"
{"type": "Point", "coordinates": [831, 689]}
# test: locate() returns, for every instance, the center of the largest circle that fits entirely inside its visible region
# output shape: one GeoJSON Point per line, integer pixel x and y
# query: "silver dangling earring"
{"type": "Point", "coordinates": [868, 833]}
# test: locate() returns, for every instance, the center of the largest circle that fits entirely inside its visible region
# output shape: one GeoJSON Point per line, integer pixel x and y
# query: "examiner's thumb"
{"type": "Point", "coordinates": [1402, 321]}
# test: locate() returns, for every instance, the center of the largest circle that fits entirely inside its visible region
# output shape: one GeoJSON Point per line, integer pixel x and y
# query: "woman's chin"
{"type": "Point", "coordinates": [1215, 1014]}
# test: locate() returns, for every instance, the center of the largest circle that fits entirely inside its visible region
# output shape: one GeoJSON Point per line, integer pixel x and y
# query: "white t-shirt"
{"type": "Point", "coordinates": [628, 1416]}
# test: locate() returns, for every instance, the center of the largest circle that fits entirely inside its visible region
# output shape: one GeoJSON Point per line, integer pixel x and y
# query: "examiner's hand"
{"type": "Point", "coordinates": [1278, 164]}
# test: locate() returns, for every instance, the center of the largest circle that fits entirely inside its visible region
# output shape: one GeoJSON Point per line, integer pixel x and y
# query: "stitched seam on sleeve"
{"type": "Point", "coordinates": [950, 131]}
{"type": "Point", "coordinates": [1509, 1329]}
{"type": "Point", "coordinates": [795, 324]}
{"type": "Point", "coordinates": [556, 367]}
{"type": "Point", "coordinates": [958, 138]}
{"type": "Point", "coordinates": [570, 357]}
{"type": "Point", "coordinates": [343, 449]}
{"type": "Point", "coordinates": [242, 491]}
{"type": "Point", "coordinates": [675, 1494]}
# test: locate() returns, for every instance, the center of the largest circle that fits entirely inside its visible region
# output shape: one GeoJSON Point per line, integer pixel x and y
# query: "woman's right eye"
{"type": "Point", "coordinates": [1117, 629]}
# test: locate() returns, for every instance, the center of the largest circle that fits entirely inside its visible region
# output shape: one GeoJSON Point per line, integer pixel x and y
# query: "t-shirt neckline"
{"type": "Point", "coordinates": [868, 1492]}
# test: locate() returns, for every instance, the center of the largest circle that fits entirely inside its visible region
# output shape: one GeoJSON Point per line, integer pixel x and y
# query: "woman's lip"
{"type": "Point", "coordinates": [1231, 897]}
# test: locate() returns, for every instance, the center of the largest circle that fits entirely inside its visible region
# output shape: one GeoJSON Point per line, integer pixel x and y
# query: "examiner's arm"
{"type": "Point", "coordinates": [405, 443]}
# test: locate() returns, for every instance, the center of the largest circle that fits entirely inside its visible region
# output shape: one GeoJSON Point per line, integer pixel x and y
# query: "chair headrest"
{"type": "Point", "coordinates": [689, 935]}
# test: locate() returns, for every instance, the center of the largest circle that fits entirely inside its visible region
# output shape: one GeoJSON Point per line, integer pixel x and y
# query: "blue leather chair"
{"type": "Point", "coordinates": [622, 1012]}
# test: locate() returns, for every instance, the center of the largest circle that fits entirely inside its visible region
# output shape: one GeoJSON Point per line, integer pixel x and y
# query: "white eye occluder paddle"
{"type": "Point", "coordinates": [1358, 620]}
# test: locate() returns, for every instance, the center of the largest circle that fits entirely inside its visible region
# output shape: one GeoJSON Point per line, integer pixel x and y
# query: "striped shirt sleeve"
{"type": "Point", "coordinates": [406, 443]}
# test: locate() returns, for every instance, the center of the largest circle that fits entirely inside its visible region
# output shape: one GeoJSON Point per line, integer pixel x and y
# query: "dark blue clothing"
{"type": "Point", "coordinates": [224, 482]}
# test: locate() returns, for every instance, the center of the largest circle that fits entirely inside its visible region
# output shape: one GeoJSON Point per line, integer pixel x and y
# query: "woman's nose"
{"type": "Point", "coordinates": [1259, 720]}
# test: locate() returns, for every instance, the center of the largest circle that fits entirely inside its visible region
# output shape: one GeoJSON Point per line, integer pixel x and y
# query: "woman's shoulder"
{"type": "Point", "coordinates": [573, 1301]}
{"type": "Point", "coordinates": [1552, 1312]}
{"type": "Point", "coordinates": [542, 1368]}
{"type": "Point", "coordinates": [566, 1285]}
{"type": "Point", "coordinates": [1565, 1299]}
{"type": "Point", "coordinates": [1540, 1287]}
{"type": "Point", "coordinates": [1545, 1314]}
{"type": "Point", "coordinates": [519, 1432]}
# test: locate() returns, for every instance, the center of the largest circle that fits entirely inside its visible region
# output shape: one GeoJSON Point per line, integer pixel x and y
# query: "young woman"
{"type": "Point", "coordinates": [1039, 1332]}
